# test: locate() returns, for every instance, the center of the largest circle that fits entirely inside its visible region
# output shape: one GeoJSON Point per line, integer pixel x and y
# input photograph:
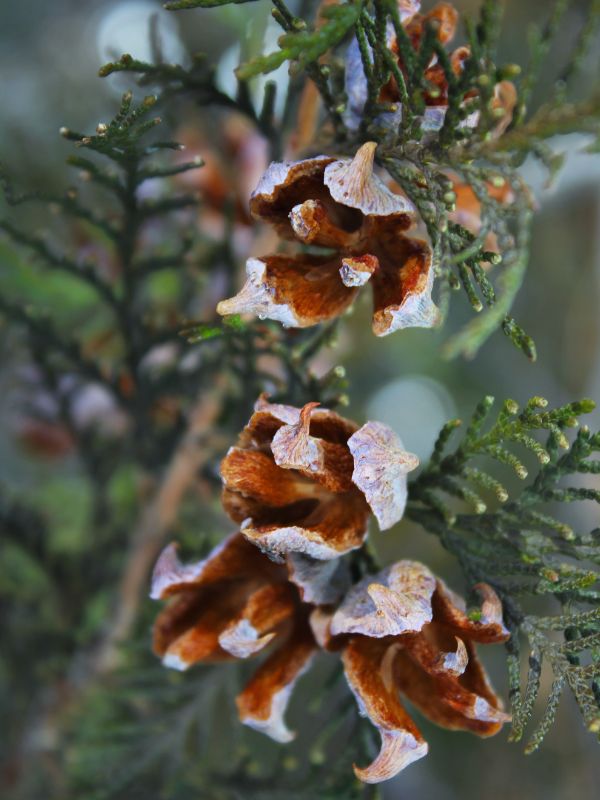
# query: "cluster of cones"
{"type": "Point", "coordinates": [303, 485]}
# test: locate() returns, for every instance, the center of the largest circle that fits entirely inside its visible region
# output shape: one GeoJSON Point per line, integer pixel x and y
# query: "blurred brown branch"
{"type": "Point", "coordinates": [155, 522]}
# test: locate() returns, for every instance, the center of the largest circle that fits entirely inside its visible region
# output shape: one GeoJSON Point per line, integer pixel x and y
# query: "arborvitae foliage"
{"type": "Point", "coordinates": [521, 548]}
{"type": "Point", "coordinates": [126, 728]}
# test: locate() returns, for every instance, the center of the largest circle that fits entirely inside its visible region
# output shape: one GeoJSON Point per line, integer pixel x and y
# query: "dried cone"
{"type": "Point", "coordinates": [305, 481]}
{"type": "Point", "coordinates": [342, 205]}
{"type": "Point", "coordinates": [403, 632]}
{"type": "Point", "coordinates": [233, 605]}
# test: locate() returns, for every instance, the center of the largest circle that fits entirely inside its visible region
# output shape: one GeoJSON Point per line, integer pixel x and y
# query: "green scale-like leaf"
{"type": "Point", "coordinates": [306, 47]}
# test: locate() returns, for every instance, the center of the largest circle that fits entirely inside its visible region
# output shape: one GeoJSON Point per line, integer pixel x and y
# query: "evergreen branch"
{"type": "Point", "coordinates": [540, 41]}
{"type": "Point", "coordinates": [68, 203]}
{"type": "Point", "coordinates": [306, 47]}
{"type": "Point", "coordinates": [46, 339]}
{"type": "Point", "coordinates": [154, 263]}
{"type": "Point", "coordinates": [60, 262]}
{"type": "Point", "coordinates": [164, 205]}
{"type": "Point", "coordinates": [550, 120]}
{"type": "Point", "coordinates": [468, 341]}
{"type": "Point", "coordinates": [465, 252]}
{"type": "Point", "coordinates": [589, 30]}
{"type": "Point", "coordinates": [522, 550]}
{"type": "Point", "coordinates": [119, 140]}
{"type": "Point", "coordinates": [199, 82]}
{"type": "Point", "coordinates": [199, 79]}
{"type": "Point", "coordinates": [168, 172]}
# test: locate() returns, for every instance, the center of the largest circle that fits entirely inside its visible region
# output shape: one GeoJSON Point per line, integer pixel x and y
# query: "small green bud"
{"type": "Point", "coordinates": [498, 181]}
{"type": "Point", "coordinates": [339, 371]}
{"type": "Point", "coordinates": [511, 406]}
{"type": "Point", "coordinates": [584, 406]}
{"type": "Point", "coordinates": [449, 198]}
{"type": "Point", "coordinates": [484, 80]}
{"type": "Point", "coordinates": [510, 71]}
{"type": "Point", "coordinates": [538, 402]}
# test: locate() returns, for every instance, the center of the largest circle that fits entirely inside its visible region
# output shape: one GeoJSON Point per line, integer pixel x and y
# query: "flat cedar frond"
{"type": "Point", "coordinates": [521, 547]}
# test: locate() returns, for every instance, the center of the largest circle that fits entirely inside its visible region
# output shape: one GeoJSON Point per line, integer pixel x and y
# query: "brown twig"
{"type": "Point", "coordinates": [155, 521]}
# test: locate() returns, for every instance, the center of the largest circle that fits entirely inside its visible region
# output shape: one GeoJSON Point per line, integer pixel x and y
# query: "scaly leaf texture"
{"type": "Point", "coordinates": [518, 543]}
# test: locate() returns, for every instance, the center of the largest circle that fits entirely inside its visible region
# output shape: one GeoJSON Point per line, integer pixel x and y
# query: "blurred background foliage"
{"type": "Point", "coordinates": [63, 549]}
